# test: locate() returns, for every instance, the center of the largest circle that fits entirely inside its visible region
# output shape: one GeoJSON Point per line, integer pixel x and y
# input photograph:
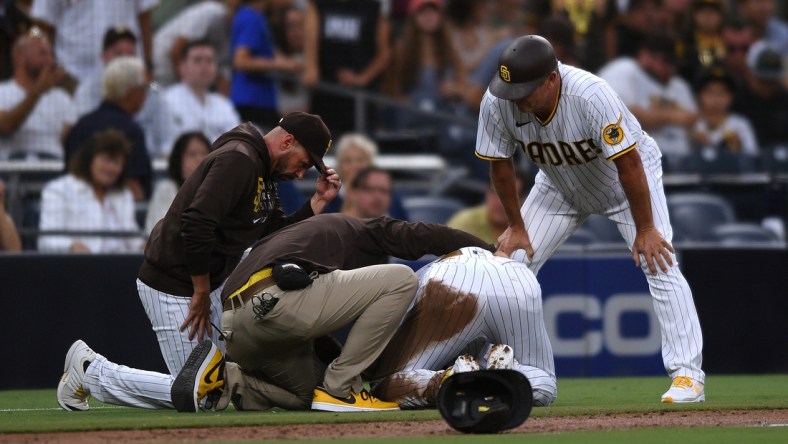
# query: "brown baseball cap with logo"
{"type": "Point", "coordinates": [523, 66]}
{"type": "Point", "coordinates": [310, 131]}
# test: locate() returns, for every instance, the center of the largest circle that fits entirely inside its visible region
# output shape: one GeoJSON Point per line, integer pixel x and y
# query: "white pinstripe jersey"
{"type": "Point", "coordinates": [575, 147]}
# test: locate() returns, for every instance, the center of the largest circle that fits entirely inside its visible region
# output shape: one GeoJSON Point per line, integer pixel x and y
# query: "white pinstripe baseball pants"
{"type": "Point", "coordinates": [508, 310]}
{"type": "Point", "coordinates": [120, 385]}
{"type": "Point", "coordinates": [550, 219]}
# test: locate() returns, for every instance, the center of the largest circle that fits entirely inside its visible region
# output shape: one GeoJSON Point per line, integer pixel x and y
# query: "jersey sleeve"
{"type": "Point", "coordinates": [616, 130]}
{"type": "Point", "coordinates": [493, 140]}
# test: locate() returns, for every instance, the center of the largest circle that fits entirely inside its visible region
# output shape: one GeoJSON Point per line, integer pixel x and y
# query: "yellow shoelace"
{"type": "Point", "coordinates": [682, 382]}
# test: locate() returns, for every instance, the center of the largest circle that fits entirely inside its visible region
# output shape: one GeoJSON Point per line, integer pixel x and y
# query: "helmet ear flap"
{"type": "Point", "coordinates": [485, 401]}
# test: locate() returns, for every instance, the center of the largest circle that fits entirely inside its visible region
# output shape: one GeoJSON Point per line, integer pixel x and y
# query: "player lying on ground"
{"type": "Point", "coordinates": [464, 296]}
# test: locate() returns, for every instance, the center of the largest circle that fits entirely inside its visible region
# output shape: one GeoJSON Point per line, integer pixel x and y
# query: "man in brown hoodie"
{"type": "Point", "coordinates": [223, 207]}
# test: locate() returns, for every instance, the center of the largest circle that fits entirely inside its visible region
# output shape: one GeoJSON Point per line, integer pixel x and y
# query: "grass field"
{"type": "Point", "coordinates": [37, 411]}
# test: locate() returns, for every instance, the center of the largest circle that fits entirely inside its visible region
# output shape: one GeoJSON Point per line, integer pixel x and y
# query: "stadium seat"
{"type": "Point", "coordinates": [718, 161]}
{"type": "Point", "coordinates": [744, 233]}
{"type": "Point", "coordinates": [405, 141]}
{"type": "Point", "coordinates": [775, 158]}
{"type": "Point", "coordinates": [695, 215]}
{"type": "Point", "coordinates": [432, 209]}
{"type": "Point", "coordinates": [604, 229]}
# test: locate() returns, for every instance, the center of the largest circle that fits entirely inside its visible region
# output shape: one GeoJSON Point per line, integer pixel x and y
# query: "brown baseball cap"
{"type": "Point", "coordinates": [310, 131]}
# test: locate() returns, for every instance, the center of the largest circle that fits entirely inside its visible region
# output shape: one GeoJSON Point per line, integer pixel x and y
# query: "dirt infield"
{"type": "Point", "coordinates": [413, 428]}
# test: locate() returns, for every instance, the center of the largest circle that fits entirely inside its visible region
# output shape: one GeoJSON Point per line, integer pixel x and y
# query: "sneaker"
{"type": "Point", "coordinates": [203, 373]}
{"type": "Point", "coordinates": [71, 395]}
{"type": "Point", "coordinates": [463, 363]}
{"type": "Point", "coordinates": [355, 402]}
{"type": "Point", "coordinates": [684, 389]}
{"type": "Point", "coordinates": [501, 357]}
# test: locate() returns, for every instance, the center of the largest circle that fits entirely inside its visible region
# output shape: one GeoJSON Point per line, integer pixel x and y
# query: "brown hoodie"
{"type": "Point", "coordinates": [229, 202]}
{"type": "Point", "coordinates": [331, 242]}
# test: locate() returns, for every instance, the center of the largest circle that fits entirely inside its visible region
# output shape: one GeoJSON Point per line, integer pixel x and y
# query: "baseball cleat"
{"type": "Point", "coordinates": [463, 363]}
{"type": "Point", "coordinates": [201, 375]}
{"type": "Point", "coordinates": [354, 402]}
{"type": "Point", "coordinates": [71, 395]}
{"type": "Point", "coordinates": [684, 389]}
{"type": "Point", "coordinates": [501, 357]}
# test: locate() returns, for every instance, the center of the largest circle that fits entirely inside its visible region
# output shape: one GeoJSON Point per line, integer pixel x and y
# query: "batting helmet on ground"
{"type": "Point", "coordinates": [485, 401]}
{"type": "Point", "coordinates": [522, 67]}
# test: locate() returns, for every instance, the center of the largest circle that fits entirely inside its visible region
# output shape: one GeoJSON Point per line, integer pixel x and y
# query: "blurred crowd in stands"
{"type": "Point", "coordinates": [109, 87]}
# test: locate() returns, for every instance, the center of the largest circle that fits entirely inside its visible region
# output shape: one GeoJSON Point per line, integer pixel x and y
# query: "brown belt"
{"type": "Point", "coordinates": [246, 292]}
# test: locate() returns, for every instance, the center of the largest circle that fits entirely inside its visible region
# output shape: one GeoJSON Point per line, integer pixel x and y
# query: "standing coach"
{"type": "Point", "coordinates": [594, 158]}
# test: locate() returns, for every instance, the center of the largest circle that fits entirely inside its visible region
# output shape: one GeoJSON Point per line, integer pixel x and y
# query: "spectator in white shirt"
{"type": "Point", "coordinates": [209, 20]}
{"type": "Point", "coordinates": [662, 101]}
{"type": "Point", "coordinates": [717, 127]}
{"type": "Point", "coordinates": [153, 117]}
{"type": "Point", "coordinates": [77, 27]}
{"type": "Point", "coordinates": [188, 152]}
{"type": "Point", "coordinates": [193, 107]}
{"type": "Point", "coordinates": [91, 197]}
{"type": "Point", "coordinates": [35, 114]}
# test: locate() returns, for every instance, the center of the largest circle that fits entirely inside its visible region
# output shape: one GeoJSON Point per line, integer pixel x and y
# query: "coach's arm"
{"type": "Point", "coordinates": [648, 240]}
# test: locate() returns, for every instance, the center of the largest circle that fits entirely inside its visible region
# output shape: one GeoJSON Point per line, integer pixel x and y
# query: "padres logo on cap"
{"type": "Point", "coordinates": [505, 73]}
{"type": "Point", "coordinates": [613, 132]}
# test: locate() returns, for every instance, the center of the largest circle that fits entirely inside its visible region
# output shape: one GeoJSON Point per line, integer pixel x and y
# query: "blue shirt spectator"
{"type": "Point", "coordinates": [253, 93]}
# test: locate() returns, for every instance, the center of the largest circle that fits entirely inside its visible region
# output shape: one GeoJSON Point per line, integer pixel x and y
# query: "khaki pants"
{"type": "Point", "coordinates": [274, 356]}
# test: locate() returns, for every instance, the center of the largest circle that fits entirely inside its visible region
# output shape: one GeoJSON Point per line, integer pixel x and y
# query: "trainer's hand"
{"type": "Point", "coordinates": [199, 317]}
{"type": "Point", "coordinates": [650, 243]}
{"type": "Point", "coordinates": [513, 238]}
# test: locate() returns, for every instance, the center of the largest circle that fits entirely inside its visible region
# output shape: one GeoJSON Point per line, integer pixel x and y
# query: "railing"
{"type": "Point", "coordinates": [361, 97]}
{"type": "Point", "coordinates": [433, 175]}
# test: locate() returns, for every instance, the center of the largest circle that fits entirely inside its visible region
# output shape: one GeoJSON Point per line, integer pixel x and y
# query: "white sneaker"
{"type": "Point", "coordinates": [70, 393]}
{"type": "Point", "coordinates": [464, 363]}
{"type": "Point", "coordinates": [501, 357]}
{"type": "Point", "coordinates": [684, 389]}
